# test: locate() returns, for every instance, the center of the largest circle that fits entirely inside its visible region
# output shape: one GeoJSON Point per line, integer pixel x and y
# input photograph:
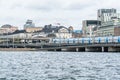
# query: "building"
{"type": "Point", "coordinates": [77, 34]}
{"type": "Point", "coordinates": [71, 29]}
{"type": "Point", "coordinates": [117, 31]}
{"type": "Point", "coordinates": [29, 24]}
{"type": "Point", "coordinates": [33, 29]}
{"type": "Point", "coordinates": [110, 21]}
{"type": "Point", "coordinates": [109, 31]}
{"type": "Point", "coordinates": [102, 13]}
{"type": "Point", "coordinates": [5, 29]}
{"type": "Point", "coordinates": [87, 27]}
{"type": "Point", "coordinates": [57, 31]}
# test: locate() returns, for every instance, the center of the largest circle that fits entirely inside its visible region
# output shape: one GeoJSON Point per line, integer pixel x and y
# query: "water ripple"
{"type": "Point", "coordinates": [59, 66]}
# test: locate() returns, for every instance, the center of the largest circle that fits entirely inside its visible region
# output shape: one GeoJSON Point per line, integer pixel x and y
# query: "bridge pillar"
{"type": "Point", "coordinates": [58, 49]}
{"type": "Point", "coordinates": [54, 49]}
{"type": "Point", "coordinates": [41, 47]}
{"type": "Point", "coordinates": [93, 49]}
{"type": "Point", "coordinates": [82, 49]}
{"type": "Point", "coordinates": [77, 49]}
{"type": "Point", "coordinates": [87, 49]}
{"type": "Point", "coordinates": [71, 49]}
{"type": "Point", "coordinates": [102, 49]}
{"type": "Point", "coordinates": [105, 49]}
{"type": "Point", "coordinates": [114, 49]}
{"type": "Point", "coordinates": [64, 49]}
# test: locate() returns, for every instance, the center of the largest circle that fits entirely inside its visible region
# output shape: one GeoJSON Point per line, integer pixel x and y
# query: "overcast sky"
{"type": "Point", "coordinates": [65, 12]}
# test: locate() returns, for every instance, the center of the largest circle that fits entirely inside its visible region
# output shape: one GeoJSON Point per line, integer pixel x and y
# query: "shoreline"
{"type": "Point", "coordinates": [18, 49]}
{"type": "Point", "coordinates": [39, 49]}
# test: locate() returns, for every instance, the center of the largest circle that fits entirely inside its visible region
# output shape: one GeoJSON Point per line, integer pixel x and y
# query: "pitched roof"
{"type": "Point", "coordinates": [50, 29]}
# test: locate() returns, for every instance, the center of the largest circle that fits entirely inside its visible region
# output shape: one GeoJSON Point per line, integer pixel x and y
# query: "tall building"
{"type": "Point", "coordinates": [110, 22]}
{"type": "Point", "coordinates": [29, 24]}
{"type": "Point", "coordinates": [104, 14]}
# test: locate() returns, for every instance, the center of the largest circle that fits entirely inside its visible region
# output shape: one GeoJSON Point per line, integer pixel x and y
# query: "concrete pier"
{"type": "Point", "coordinates": [93, 49]}
{"type": "Point", "coordinates": [69, 49]}
{"type": "Point", "coordinates": [114, 49]}
{"type": "Point", "coordinates": [105, 49]}
{"type": "Point", "coordinates": [102, 49]}
{"type": "Point", "coordinates": [77, 49]}
{"type": "Point", "coordinates": [82, 49]}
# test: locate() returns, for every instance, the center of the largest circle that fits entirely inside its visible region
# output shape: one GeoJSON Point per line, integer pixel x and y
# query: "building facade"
{"type": "Point", "coordinates": [77, 34]}
{"type": "Point", "coordinates": [87, 27]}
{"type": "Point", "coordinates": [102, 13]}
{"type": "Point", "coordinates": [33, 29]}
{"type": "Point", "coordinates": [5, 29]}
{"type": "Point", "coordinates": [57, 31]}
{"type": "Point", "coordinates": [110, 21]}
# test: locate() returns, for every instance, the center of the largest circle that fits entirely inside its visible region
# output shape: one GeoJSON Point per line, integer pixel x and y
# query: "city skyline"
{"type": "Point", "coordinates": [65, 12]}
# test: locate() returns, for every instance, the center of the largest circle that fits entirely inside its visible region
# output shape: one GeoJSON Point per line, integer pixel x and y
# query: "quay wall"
{"type": "Point", "coordinates": [18, 49]}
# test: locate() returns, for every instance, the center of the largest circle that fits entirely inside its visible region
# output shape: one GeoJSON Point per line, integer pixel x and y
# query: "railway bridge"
{"type": "Point", "coordinates": [95, 47]}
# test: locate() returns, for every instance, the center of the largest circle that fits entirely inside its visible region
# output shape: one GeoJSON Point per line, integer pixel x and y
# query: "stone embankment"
{"type": "Point", "coordinates": [18, 49]}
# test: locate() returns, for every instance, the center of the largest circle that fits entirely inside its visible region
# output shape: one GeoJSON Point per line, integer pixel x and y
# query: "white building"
{"type": "Point", "coordinates": [109, 17]}
{"type": "Point", "coordinates": [102, 14]}
{"type": "Point", "coordinates": [110, 20]}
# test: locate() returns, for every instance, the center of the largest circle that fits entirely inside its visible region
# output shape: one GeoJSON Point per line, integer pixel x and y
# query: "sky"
{"type": "Point", "coordinates": [43, 12]}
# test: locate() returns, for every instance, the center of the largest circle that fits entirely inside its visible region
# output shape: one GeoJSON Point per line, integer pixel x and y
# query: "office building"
{"type": "Point", "coordinates": [102, 13]}
{"type": "Point", "coordinates": [110, 22]}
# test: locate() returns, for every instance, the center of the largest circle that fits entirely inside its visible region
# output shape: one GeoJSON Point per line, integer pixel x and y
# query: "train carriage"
{"type": "Point", "coordinates": [90, 40]}
{"type": "Point", "coordinates": [76, 40]}
{"type": "Point", "coordinates": [102, 39]}
{"type": "Point", "coordinates": [80, 40]}
{"type": "Point", "coordinates": [116, 39]}
{"type": "Point", "coordinates": [87, 40]}
{"type": "Point", "coordinates": [62, 40]}
{"type": "Point", "coordinates": [97, 40]}
{"type": "Point", "coordinates": [110, 39]}
{"type": "Point", "coordinates": [71, 40]}
{"type": "Point", "coordinates": [66, 41]}
{"type": "Point", "coordinates": [56, 41]}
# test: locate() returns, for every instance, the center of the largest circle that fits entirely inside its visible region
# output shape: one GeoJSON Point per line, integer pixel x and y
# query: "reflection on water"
{"type": "Point", "coordinates": [59, 66]}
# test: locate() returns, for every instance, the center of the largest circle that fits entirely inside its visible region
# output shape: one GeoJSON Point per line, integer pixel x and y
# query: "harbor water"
{"type": "Point", "coordinates": [38, 65]}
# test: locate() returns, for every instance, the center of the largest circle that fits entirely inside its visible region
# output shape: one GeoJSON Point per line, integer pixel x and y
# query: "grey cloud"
{"type": "Point", "coordinates": [68, 12]}
{"type": "Point", "coordinates": [39, 8]}
{"type": "Point", "coordinates": [48, 6]}
{"type": "Point", "coordinates": [77, 6]}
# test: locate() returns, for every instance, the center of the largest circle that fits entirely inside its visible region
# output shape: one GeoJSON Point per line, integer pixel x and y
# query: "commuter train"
{"type": "Point", "coordinates": [109, 39]}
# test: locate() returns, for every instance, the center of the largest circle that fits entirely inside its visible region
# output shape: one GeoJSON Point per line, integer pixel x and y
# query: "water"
{"type": "Point", "coordinates": [59, 66]}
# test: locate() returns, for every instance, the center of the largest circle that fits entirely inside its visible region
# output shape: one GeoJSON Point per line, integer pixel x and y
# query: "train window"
{"type": "Point", "coordinates": [68, 41]}
{"type": "Point", "coordinates": [55, 41]}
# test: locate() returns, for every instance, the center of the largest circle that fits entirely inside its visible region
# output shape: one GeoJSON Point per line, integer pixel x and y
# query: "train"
{"type": "Point", "coordinates": [87, 40]}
